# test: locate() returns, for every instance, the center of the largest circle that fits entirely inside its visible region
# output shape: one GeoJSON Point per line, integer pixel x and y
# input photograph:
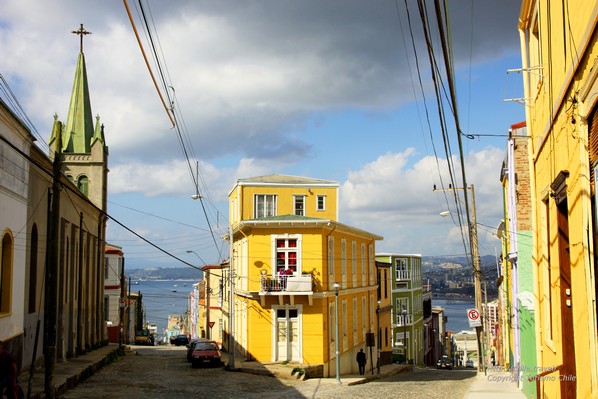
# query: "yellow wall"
{"type": "Point", "coordinates": [242, 201]}
{"type": "Point", "coordinates": [559, 142]}
{"type": "Point", "coordinates": [315, 318]}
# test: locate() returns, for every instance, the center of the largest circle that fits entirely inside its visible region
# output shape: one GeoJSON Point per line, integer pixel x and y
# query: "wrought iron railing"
{"type": "Point", "coordinates": [291, 283]}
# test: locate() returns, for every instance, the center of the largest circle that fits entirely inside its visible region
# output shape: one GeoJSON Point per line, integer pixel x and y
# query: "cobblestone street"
{"type": "Point", "coordinates": [163, 372]}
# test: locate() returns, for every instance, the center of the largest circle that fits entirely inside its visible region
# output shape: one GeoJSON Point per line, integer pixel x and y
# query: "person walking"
{"type": "Point", "coordinates": [361, 361]}
{"type": "Point", "coordinates": [8, 374]}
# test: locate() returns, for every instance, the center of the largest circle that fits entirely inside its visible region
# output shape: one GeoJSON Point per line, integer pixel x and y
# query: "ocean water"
{"type": "Point", "coordinates": [456, 313]}
{"type": "Point", "coordinates": [160, 300]}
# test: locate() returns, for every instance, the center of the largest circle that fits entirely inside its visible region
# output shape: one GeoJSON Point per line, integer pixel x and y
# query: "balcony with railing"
{"type": "Point", "coordinates": [280, 285]}
{"type": "Point", "coordinates": [404, 320]}
{"type": "Point", "coordinates": [401, 275]}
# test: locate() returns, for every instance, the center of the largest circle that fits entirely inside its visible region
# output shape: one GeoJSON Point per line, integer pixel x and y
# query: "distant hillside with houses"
{"type": "Point", "coordinates": [164, 273]}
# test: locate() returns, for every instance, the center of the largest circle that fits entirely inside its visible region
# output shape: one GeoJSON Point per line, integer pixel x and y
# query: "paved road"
{"type": "Point", "coordinates": [163, 372]}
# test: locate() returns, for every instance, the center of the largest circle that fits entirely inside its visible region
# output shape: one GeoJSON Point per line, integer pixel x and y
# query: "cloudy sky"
{"type": "Point", "coordinates": [327, 89]}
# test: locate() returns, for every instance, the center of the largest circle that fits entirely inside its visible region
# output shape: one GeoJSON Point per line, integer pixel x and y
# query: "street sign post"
{"type": "Point", "coordinates": [473, 315]}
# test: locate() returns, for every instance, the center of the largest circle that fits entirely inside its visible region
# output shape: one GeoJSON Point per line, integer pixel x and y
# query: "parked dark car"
{"type": "Point", "coordinates": [444, 363]}
{"type": "Point", "coordinates": [181, 339]}
{"type": "Point", "coordinates": [191, 345]}
{"type": "Point", "coordinates": [206, 353]}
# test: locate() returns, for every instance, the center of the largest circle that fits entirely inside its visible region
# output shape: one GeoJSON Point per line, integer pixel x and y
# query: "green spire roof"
{"type": "Point", "coordinates": [99, 132]}
{"type": "Point", "coordinates": [79, 129]}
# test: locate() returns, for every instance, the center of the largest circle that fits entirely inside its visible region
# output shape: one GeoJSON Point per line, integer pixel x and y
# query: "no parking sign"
{"type": "Point", "coordinates": [473, 315]}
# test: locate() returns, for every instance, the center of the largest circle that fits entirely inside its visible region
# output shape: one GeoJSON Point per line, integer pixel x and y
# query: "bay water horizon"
{"type": "Point", "coordinates": [162, 298]}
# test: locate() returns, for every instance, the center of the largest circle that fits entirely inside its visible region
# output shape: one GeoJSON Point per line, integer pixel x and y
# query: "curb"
{"type": "Point", "coordinates": [62, 384]}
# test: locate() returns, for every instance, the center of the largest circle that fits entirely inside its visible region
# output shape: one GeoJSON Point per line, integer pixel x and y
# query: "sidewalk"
{"type": "Point", "coordinates": [69, 373]}
{"type": "Point", "coordinates": [494, 385]}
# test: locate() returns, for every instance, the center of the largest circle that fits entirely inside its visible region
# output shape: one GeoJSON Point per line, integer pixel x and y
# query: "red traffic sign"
{"type": "Point", "coordinates": [211, 324]}
{"type": "Point", "coordinates": [474, 318]}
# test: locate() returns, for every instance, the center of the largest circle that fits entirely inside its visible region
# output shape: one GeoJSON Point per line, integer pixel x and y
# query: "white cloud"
{"type": "Point", "coordinates": [395, 199]}
{"type": "Point", "coordinates": [251, 81]}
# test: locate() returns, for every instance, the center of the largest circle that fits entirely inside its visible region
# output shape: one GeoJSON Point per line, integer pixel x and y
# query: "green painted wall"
{"type": "Point", "coordinates": [528, 347]}
{"type": "Point", "coordinates": [524, 261]}
{"type": "Point", "coordinates": [527, 323]}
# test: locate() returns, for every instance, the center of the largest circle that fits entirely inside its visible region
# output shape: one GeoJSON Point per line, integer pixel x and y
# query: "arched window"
{"type": "Point", "coordinates": [6, 273]}
{"type": "Point", "coordinates": [83, 184]}
{"type": "Point", "coordinates": [33, 270]}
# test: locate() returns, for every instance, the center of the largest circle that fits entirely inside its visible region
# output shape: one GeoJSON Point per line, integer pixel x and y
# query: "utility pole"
{"type": "Point", "coordinates": [477, 274]}
{"type": "Point", "coordinates": [50, 295]}
{"type": "Point", "coordinates": [121, 305]}
{"type": "Point", "coordinates": [477, 271]}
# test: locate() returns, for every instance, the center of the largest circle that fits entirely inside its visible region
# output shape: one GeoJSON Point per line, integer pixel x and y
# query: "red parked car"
{"type": "Point", "coordinates": [205, 353]}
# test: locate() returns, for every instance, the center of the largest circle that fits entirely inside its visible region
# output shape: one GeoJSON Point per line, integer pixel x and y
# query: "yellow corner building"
{"type": "Point", "coordinates": [293, 261]}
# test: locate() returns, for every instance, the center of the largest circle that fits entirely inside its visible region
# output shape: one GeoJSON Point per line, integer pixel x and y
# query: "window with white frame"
{"type": "Point", "coordinates": [343, 257]}
{"type": "Point", "coordinates": [331, 256]}
{"type": "Point", "coordinates": [355, 334]}
{"type": "Point", "coordinates": [344, 308]}
{"type": "Point", "coordinates": [299, 205]}
{"type": "Point", "coordinates": [321, 203]}
{"type": "Point", "coordinates": [371, 262]}
{"type": "Point", "coordinates": [363, 268]}
{"type": "Point", "coordinates": [363, 314]}
{"type": "Point", "coordinates": [402, 307]}
{"type": "Point", "coordinates": [402, 304]}
{"type": "Point", "coordinates": [287, 250]}
{"type": "Point", "coordinates": [6, 266]}
{"type": "Point", "coordinates": [353, 258]}
{"type": "Point", "coordinates": [401, 269]}
{"type": "Point", "coordinates": [354, 315]}
{"type": "Point", "coordinates": [264, 205]}
{"type": "Point", "coordinates": [331, 322]}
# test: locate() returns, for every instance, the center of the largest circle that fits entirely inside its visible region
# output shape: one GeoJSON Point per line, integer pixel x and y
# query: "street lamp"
{"type": "Point", "coordinates": [405, 333]}
{"type": "Point", "coordinates": [338, 360]}
{"type": "Point", "coordinates": [379, 343]}
{"type": "Point", "coordinates": [206, 277]}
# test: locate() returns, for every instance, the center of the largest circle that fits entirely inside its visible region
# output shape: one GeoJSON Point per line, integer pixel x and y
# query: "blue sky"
{"type": "Point", "coordinates": [323, 89]}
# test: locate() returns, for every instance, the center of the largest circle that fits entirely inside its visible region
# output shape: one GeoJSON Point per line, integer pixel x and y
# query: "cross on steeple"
{"type": "Point", "coordinates": [81, 31]}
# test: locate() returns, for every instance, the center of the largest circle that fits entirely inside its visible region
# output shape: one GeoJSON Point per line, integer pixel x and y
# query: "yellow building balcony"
{"type": "Point", "coordinates": [281, 285]}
